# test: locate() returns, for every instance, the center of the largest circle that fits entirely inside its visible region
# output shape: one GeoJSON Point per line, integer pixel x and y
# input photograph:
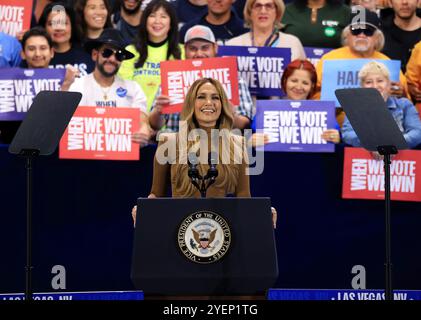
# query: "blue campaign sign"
{"type": "Point", "coordinates": [19, 86]}
{"type": "Point", "coordinates": [340, 294]}
{"type": "Point", "coordinates": [88, 295]}
{"type": "Point", "coordinates": [296, 125]}
{"type": "Point", "coordinates": [343, 74]}
{"type": "Point", "coordinates": [314, 54]}
{"type": "Point", "coordinates": [260, 67]}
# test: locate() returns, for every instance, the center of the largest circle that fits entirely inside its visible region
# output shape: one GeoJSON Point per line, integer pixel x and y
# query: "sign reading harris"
{"type": "Point", "coordinates": [296, 126]}
{"type": "Point", "coordinates": [178, 76]}
{"type": "Point", "coordinates": [18, 87]}
{"type": "Point", "coordinates": [343, 74]}
{"type": "Point", "coordinates": [15, 16]}
{"type": "Point", "coordinates": [260, 67]}
{"type": "Point", "coordinates": [364, 176]}
{"type": "Point", "coordinates": [314, 54]}
{"type": "Point", "coordinates": [101, 134]}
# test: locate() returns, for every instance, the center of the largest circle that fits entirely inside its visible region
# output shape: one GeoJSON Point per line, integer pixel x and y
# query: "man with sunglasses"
{"type": "Point", "coordinates": [362, 39]}
{"type": "Point", "coordinates": [104, 88]}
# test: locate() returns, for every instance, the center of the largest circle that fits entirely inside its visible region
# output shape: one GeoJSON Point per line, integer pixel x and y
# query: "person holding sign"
{"type": "Point", "coordinates": [199, 43]}
{"type": "Point", "coordinates": [299, 83]}
{"type": "Point", "coordinates": [103, 88]}
{"type": "Point", "coordinates": [37, 48]}
{"type": "Point", "coordinates": [37, 52]}
{"type": "Point", "coordinates": [206, 107]}
{"type": "Point", "coordinates": [157, 41]}
{"type": "Point", "coordinates": [362, 39]}
{"type": "Point", "coordinates": [376, 75]}
{"type": "Point", "coordinates": [264, 19]}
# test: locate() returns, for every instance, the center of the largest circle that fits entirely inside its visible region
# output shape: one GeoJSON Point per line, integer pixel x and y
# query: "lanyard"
{"type": "Point", "coordinates": [268, 42]}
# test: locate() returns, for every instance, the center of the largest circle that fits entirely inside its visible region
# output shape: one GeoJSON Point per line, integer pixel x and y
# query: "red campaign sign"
{"type": "Point", "coordinates": [15, 16]}
{"type": "Point", "coordinates": [101, 134]}
{"type": "Point", "coordinates": [363, 176]}
{"type": "Point", "coordinates": [178, 76]}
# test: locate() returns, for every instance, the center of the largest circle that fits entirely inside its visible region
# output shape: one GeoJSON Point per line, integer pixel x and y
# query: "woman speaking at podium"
{"type": "Point", "coordinates": [182, 156]}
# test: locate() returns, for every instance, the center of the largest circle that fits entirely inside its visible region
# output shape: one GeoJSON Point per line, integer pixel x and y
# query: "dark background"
{"type": "Point", "coordinates": [82, 220]}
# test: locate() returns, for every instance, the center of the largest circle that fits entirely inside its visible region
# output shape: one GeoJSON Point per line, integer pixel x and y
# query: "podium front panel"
{"type": "Point", "coordinates": [249, 266]}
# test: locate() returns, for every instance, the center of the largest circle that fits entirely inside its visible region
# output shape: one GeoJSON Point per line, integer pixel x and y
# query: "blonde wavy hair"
{"type": "Point", "coordinates": [280, 10]}
{"type": "Point", "coordinates": [229, 145]}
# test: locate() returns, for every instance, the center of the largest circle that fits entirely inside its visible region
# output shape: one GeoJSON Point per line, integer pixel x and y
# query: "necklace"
{"type": "Point", "coordinates": [105, 92]}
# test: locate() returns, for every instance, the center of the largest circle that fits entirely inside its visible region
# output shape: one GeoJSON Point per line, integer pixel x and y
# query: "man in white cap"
{"type": "Point", "coordinates": [199, 43]}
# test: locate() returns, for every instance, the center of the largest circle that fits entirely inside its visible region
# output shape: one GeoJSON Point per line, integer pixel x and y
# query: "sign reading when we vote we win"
{"type": "Point", "coordinates": [101, 134]}
{"type": "Point", "coordinates": [260, 67]}
{"type": "Point", "coordinates": [18, 87]}
{"type": "Point", "coordinates": [363, 176]}
{"type": "Point", "coordinates": [178, 76]}
{"type": "Point", "coordinates": [314, 54]}
{"type": "Point", "coordinates": [15, 16]}
{"type": "Point", "coordinates": [296, 126]}
{"type": "Point", "coordinates": [343, 74]}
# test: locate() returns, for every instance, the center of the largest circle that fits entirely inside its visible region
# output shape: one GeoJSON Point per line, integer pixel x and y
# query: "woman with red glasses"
{"type": "Point", "coordinates": [264, 19]}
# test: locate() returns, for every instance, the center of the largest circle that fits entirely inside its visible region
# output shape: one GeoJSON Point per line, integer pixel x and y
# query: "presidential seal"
{"type": "Point", "coordinates": [204, 237]}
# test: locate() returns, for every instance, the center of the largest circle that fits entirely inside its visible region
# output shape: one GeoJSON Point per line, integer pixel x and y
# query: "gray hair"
{"type": "Point", "coordinates": [378, 46]}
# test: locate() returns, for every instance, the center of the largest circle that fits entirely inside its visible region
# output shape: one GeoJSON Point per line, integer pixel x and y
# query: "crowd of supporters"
{"type": "Point", "coordinates": [153, 31]}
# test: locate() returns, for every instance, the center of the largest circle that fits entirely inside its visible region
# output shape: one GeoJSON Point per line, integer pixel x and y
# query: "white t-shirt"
{"type": "Point", "coordinates": [122, 93]}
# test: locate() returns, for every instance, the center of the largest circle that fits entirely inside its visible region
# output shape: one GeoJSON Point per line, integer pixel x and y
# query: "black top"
{"type": "Point", "coordinates": [128, 31]}
{"type": "Point", "coordinates": [187, 11]}
{"type": "Point", "coordinates": [233, 28]}
{"type": "Point", "coordinates": [399, 43]}
{"type": "Point", "coordinates": [76, 57]}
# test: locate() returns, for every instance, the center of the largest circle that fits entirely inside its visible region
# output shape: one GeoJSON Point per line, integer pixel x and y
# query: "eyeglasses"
{"type": "Point", "coordinates": [368, 30]}
{"type": "Point", "coordinates": [259, 6]}
{"type": "Point", "coordinates": [107, 52]}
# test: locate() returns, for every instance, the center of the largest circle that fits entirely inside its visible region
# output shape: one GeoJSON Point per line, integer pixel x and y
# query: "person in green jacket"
{"type": "Point", "coordinates": [317, 23]}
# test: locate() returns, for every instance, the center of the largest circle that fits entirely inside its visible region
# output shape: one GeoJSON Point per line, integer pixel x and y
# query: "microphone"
{"type": "Point", "coordinates": [212, 171]}
{"type": "Point", "coordinates": [212, 160]}
{"type": "Point", "coordinates": [193, 172]}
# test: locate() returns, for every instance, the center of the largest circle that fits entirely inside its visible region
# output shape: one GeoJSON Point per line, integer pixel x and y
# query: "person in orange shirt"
{"type": "Point", "coordinates": [413, 75]}
{"type": "Point", "coordinates": [362, 39]}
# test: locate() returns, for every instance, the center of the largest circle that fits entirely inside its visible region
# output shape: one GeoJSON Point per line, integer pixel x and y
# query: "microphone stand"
{"type": "Point", "coordinates": [206, 181]}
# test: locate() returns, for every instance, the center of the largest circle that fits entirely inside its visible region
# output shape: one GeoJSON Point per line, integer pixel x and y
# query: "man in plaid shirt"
{"type": "Point", "coordinates": [199, 43]}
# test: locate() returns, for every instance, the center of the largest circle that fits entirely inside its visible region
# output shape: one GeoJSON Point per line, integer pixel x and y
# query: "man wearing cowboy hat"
{"type": "Point", "coordinates": [104, 88]}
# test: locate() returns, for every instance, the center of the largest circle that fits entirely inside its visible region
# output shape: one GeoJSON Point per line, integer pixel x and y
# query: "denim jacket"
{"type": "Point", "coordinates": [406, 117]}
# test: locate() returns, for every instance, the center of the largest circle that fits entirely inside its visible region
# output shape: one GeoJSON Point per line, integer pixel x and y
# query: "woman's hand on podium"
{"type": "Point", "coordinates": [134, 210]}
{"type": "Point", "coordinates": [274, 216]}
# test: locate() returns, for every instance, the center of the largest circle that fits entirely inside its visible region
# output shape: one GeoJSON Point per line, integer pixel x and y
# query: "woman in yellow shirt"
{"type": "Point", "coordinates": [157, 41]}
